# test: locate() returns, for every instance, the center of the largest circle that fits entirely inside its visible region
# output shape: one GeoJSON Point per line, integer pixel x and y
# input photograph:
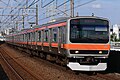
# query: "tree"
{"type": "Point", "coordinates": [113, 37]}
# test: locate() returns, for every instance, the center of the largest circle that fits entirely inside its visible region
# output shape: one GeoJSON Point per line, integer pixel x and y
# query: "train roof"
{"type": "Point", "coordinates": [55, 21]}
{"type": "Point", "coordinates": [62, 19]}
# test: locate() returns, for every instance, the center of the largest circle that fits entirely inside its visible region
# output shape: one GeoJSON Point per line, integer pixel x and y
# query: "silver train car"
{"type": "Point", "coordinates": [81, 43]}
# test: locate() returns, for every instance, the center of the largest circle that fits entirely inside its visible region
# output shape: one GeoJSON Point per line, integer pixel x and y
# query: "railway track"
{"type": "Point", "coordinates": [16, 74]}
{"type": "Point", "coordinates": [53, 71]}
{"type": "Point", "coordinates": [19, 71]}
{"type": "Point", "coordinates": [106, 76]}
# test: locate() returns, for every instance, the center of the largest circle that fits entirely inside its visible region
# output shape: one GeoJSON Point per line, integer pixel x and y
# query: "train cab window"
{"type": "Point", "coordinates": [46, 35]}
{"type": "Point", "coordinates": [55, 34]}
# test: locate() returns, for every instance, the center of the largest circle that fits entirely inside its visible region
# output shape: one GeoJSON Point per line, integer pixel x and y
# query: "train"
{"type": "Point", "coordinates": [81, 43]}
{"type": "Point", "coordinates": [2, 38]}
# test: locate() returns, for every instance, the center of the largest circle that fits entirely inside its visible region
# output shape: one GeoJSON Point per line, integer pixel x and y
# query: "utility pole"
{"type": "Point", "coordinates": [36, 14]}
{"type": "Point", "coordinates": [26, 3]}
{"type": "Point", "coordinates": [65, 9]}
{"type": "Point", "coordinates": [72, 7]}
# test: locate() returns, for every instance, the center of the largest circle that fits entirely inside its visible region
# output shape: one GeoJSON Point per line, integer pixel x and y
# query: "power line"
{"type": "Point", "coordinates": [36, 1]}
{"type": "Point", "coordinates": [3, 2]}
{"type": "Point", "coordinates": [33, 2]}
{"type": "Point", "coordinates": [69, 9]}
{"type": "Point", "coordinates": [46, 4]}
{"type": "Point", "coordinates": [4, 9]}
{"type": "Point", "coordinates": [11, 12]}
{"type": "Point", "coordinates": [63, 4]}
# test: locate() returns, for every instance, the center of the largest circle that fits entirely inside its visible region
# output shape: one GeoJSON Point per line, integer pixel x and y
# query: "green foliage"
{"type": "Point", "coordinates": [114, 38]}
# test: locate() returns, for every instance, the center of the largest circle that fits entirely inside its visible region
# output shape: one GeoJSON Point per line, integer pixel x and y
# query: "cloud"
{"type": "Point", "coordinates": [96, 6]}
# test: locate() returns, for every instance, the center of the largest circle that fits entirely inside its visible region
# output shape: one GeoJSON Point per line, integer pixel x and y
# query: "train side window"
{"type": "Point", "coordinates": [55, 34]}
{"type": "Point", "coordinates": [36, 36]}
{"type": "Point", "coordinates": [50, 35]}
{"type": "Point", "coordinates": [33, 36]}
{"type": "Point", "coordinates": [35, 33]}
{"type": "Point", "coordinates": [39, 36]}
{"type": "Point", "coordinates": [25, 37]}
{"type": "Point", "coordinates": [46, 35]}
{"type": "Point", "coordinates": [28, 36]}
{"type": "Point", "coordinates": [22, 37]}
{"type": "Point", "coordinates": [19, 38]}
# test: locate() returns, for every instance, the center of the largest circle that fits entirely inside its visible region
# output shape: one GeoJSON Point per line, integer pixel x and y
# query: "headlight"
{"type": "Point", "coordinates": [100, 52]}
{"type": "Point", "coordinates": [76, 51]}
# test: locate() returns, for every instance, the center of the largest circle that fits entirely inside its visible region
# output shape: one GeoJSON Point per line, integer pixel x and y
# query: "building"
{"type": "Point", "coordinates": [116, 29]}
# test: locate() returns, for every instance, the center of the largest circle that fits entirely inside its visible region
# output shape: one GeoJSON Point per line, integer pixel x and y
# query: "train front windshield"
{"type": "Point", "coordinates": [89, 31]}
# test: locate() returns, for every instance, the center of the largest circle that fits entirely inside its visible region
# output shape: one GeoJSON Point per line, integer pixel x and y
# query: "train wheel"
{"type": "Point", "coordinates": [43, 55]}
{"type": "Point", "coordinates": [31, 53]}
{"type": "Point", "coordinates": [57, 60]}
{"type": "Point", "coordinates": [50, 57]}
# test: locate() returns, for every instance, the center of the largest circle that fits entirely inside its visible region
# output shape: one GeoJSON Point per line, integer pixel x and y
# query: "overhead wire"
{"type": "Point", "coordinates": [68, 9]}
{"type": "Point", "coordinates": [35, 1]}
{"type": "Point", "coordinates": [4, 9]}
{"type": "Point", "coordinates": [12, 11]}
{"type": "Point", "coordinates": [3, 2]}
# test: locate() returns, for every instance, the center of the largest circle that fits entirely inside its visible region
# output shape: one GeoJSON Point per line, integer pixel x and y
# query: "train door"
{"type": "Point", "coordinates": [55, 40]}
{"type": "Point", "coordinates": [33, 40]}
{"type": "Point", "coordinates": [36, 39]}
{"type": "Point", "coordinates": [50, 39]}
{"type": "Point", "coordinates": [42, 38]}
{"type": "Point", "coordinates": [29, 39]}
{"type": "Point", "coordinates": [39, 40]}
{"type": "Point", "coordinates": [61, 35]}
{"type": "Point", "coordinates": [59, 39]}
{"type": "Point", "coordinates": [46, 40]}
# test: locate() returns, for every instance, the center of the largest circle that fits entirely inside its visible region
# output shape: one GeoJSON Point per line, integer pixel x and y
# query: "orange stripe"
{"type": "Point", "coordinates": [87, 46]}
{"type": "Point", "coordinates": [33, 43]}
{"type": "Point", "coordinates": [45, 44]}
{"type": "Point", "coordinates": [29, 43]}
{"type": "Point", "coordinates": [39, 43]}
{"type": "Point", "coordinates": [54, 44]}
{"type": "Point", "coordinates": [74, 46]}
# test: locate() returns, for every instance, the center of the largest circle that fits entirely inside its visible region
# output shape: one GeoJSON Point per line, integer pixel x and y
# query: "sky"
{"type": "Point", "coordinates": [109, 9]}
{"type": "Point", "coordinates": [104, 8]}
